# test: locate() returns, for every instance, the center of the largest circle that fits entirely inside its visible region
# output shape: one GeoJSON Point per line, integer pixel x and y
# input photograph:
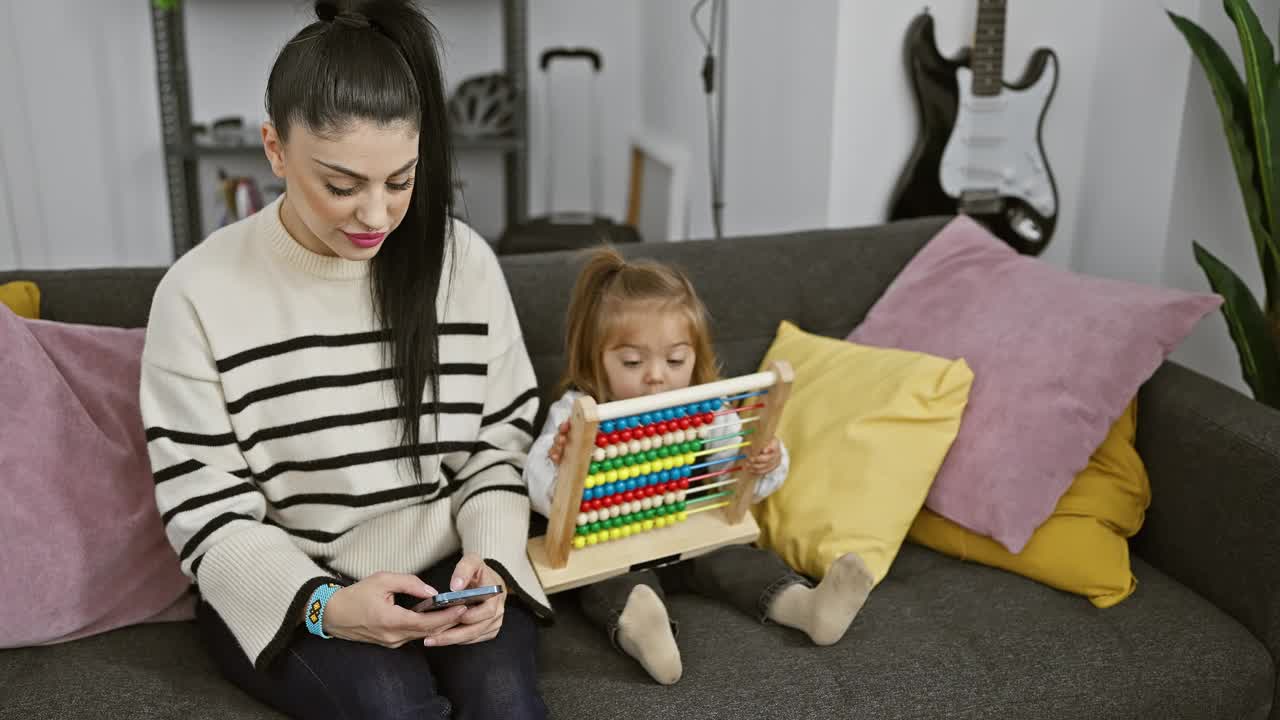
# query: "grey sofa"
{"type": "Point", "coordinates": [938, 638]}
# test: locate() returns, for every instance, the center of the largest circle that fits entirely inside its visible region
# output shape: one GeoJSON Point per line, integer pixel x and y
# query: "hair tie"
{"type": "Point", "coordinates": [329, 12]}
{"type": "Point", "coordinates": [351, 19]}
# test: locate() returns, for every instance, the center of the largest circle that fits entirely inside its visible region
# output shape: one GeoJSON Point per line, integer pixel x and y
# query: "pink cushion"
{"type": "Point", "coordinates": [84, 548]}
{"type": "Point", "coordinates": [1056, 358]}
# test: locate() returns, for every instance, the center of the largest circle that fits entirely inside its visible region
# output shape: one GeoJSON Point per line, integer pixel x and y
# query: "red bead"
{"type": "Point", "coordinates": [684, 483]}
{"type": "Point", "coordinates": [648, 492]}
{"type": "Point", "coordinates": [628, 496]}
{"type": "Point", "coordinates": [684, 423]}
{"type": "Point", "coordinates": [650, 431]}
{"type": "Point", "coordinates": [709, 418]}
{"type": "Point", "coordinates": [585, 506]}
{"type": "Point", "coordinates": [625, 436]}
{"type": "Point", "coordinates": [602, 440]}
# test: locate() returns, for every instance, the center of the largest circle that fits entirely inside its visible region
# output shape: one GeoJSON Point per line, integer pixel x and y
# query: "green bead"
{"type": "Point", "coordinates": [663, 451]}
{"type": "Point", "coordinates": [680, 506]}
{"type": "Point", "coordinates": [697, 445]}
{"type": "Point", "coordinates": [648, 514]}
{"type": "Point", "coordinates": [631, 460]}
{"type": "Point", "coordinates": [595, 526]}
{"type": "Point", "coordinates": [651, 455]}
{"type": "Point", "coordinates": [662, 510]}
{"type": "Point", "coordinates": [595, 468]}
{"type": "Point", "coordinates": [582, 530]}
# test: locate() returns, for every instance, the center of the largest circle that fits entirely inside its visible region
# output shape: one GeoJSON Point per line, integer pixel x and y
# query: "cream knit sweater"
{"type": "Point", "coordinates": [273, 436]}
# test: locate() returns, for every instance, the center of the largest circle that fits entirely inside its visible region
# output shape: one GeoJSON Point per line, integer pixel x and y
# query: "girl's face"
{"type": "Point", "coordinates": [345, 193]}
{"type": "Point", "coordinates": [651, 352]}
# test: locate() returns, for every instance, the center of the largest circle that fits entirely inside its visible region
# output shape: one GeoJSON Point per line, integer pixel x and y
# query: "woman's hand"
{"type": "Point", "coordinates": [556, 453]}
{"type": "Point", "coordinates": [767, 460]}
{"type": "Point", "coordinates": [367, 612]}
{"type": "Point", "coordinates": [480, 622]}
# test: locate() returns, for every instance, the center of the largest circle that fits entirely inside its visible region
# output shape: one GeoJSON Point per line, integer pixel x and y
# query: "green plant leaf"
{"type": "Point", "coordinates": [1259, 75]}
{"type": "Point", "coordinates": [1233, 104]}
{"type": "Point", "coordinates": [1259, 359]}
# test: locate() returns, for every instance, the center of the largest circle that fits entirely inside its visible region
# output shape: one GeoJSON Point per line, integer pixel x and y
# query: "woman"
{"type": "Point", "coordinates": [338, 401]}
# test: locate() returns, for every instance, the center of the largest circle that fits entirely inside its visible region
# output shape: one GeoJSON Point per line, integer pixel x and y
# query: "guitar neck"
{"type": "Point", "coordinates": [988, 48]}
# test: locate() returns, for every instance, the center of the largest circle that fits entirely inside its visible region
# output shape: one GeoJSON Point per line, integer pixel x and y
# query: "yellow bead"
{"type": "Point", "coordinates": [590, 482]}
{"type": "Point", "coordinates": [646, 468]}
{"type": "Point", "coordinates": [668, 463]}
{"type": "Point", "coordinates": [636, 528]}
{"type": "Point", "coordinates": [626, 531]}
{"type": "Point", "coordinates": [690, 459]}
{"type": "Point", "coordinates": [579, 542]}
{"type": "Point", "coordinates": [648, 525]}
{"type": "Point", "coordinates": [660, 522]}
{"type": "Point", "coordinates": [615, 533]}
{"type": "Point", "coordinates": [611, 476]}
{"type": "Point", "coordinates": [682, 516]}
{"type": "Point", "coordinates": [593, 538]}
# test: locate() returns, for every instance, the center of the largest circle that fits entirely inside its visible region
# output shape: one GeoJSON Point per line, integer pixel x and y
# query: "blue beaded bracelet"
{"type": "Point", "coordinates": [315, 608]}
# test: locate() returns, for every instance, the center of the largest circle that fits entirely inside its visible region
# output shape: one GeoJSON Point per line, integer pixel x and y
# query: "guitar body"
{"type": "Point", "coordinates": [981, 156]}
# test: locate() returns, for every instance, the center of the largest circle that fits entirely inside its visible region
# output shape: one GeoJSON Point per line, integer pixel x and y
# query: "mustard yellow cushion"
{"type": "Point", "coordinates": [22, 297]}
{"type": "Point", "coordinates": [867, 429]}
{"type": "Point", "coordinates": [1083, 548]}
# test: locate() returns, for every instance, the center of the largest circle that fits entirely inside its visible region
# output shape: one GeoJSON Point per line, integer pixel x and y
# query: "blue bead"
{"type": "Point", "coordinates": [668, 414]}
{"type": "Point", "coordinates": [708, 407]}
{"type": "Point", "coordinates": [715, 404]}
{"type": "Point", "coordinates": [682, 411]}
{"type": "Point", "coordinates": [606, 427]}
{"type": "Point", "coordinates": [664, 476]}
{"type": "Point", "coordinates": [589, 494]}
{"type": "Point", "coordinates": [630, 485]}
{"type": "Point", "coordinates": [646, 419]}
{"type": "Point", "coordinates": [686, 471]}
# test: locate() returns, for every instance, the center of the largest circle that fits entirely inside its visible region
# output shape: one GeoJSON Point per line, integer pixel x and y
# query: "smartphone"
{"type": "Point", "coordinates": [470, 596]}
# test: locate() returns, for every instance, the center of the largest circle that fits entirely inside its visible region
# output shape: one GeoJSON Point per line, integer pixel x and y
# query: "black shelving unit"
{"type": "Point", "coordinates": [182, 154]}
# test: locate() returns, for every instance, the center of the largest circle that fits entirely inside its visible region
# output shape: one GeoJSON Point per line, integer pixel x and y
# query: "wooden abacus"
{"type": "Point", "coordinates": [640, 479]}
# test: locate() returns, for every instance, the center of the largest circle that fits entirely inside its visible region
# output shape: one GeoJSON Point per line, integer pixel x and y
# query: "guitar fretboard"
{"type": "Point", "coordinates": [988, 48]}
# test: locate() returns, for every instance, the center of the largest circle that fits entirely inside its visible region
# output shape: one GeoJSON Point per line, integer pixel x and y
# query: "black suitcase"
{"type": "Point", "coordinates": [568, 230]}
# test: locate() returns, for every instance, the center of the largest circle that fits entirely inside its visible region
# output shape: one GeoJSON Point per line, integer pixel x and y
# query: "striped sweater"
{"type": "Point", "coordinates": [273, 433]}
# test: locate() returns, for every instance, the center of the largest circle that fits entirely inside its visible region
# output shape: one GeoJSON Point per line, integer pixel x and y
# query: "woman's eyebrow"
{"type": "Point", "coordinates": [353, 174]}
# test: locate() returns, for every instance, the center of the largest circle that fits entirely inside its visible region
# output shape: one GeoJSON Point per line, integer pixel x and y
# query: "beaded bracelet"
{"type": "Point", "coordinates": [315, 608]}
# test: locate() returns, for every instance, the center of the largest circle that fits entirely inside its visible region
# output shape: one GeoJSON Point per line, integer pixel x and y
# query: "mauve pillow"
{"type": "Point", "coordinates": [84, 548]}
{"type": "Point", "coordinates": [1056, 358]}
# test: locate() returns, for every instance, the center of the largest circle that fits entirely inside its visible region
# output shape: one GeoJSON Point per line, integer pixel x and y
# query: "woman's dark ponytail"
{"type": "Point", "coordinates": [378, 61]}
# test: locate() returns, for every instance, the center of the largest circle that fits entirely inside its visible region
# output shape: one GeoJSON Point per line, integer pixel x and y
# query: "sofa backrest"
{"type": "Point", "coordinates": [824, 281]}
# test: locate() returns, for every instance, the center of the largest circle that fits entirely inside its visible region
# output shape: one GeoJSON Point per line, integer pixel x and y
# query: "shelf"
{"type": "Point", "coordinates": [460, 143]}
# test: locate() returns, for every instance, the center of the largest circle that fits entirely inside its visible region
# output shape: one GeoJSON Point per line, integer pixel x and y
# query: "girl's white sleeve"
{"type": "Point", "coordinates": [539, 471]}
{"type": "Point", "coordinates": [729, 424]}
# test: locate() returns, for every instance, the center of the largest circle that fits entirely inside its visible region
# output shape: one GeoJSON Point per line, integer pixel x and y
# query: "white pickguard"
{"type": "Point", "coordinates": [994, 144]}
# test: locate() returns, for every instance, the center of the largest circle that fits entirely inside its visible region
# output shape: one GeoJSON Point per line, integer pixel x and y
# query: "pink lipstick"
{"type": "Point", "coordinates": [365, 240]}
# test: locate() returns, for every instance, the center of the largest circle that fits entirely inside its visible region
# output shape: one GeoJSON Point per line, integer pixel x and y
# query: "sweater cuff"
{"type": "Point", "coordinates": [258, 581]}
{"type": "Point", "coordinates": [495, 526]}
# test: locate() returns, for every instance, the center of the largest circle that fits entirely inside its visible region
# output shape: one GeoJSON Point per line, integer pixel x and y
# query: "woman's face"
{"type": "Point", "coordinates": [345, 192]}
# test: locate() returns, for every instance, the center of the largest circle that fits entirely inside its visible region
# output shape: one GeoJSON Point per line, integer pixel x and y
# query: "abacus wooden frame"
{"type": "Point", "coordinates": [559, 569]}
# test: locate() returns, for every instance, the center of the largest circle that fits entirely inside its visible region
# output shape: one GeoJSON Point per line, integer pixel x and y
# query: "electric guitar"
{"type": "Point", "coordinates": [979, 151]}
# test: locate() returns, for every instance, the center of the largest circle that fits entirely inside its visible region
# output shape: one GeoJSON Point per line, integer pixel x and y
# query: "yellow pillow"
{"type": "Point", "coordinates": [22, 297]}
{"type": "Point", "coordinates": [1083, 548]}
{"type": "Point", "coordinates": [867, 429]}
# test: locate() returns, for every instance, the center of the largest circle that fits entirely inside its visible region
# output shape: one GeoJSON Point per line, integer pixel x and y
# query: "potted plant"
{"type": "Point", "coordinates": [1250, 108]}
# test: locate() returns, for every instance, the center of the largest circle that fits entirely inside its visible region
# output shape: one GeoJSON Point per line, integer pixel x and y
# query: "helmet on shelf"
{"type": "Point", "coordinates": [484, 106]}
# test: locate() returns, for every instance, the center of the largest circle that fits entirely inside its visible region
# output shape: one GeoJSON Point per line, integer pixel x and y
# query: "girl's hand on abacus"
{"type": "Point", "coordinates": [556, 453]}
{"type": "Point", "coordinates": [767, 460]}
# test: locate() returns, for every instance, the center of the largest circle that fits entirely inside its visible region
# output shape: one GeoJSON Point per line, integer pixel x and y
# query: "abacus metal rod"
{"type": "Point", "coordinates": [685, 396]}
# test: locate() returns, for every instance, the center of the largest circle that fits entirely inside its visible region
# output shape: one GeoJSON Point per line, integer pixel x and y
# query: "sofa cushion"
{"type": "Point", "coordinates": [938, 638]}
{"type": "Point", "coordinates": [1084, 546]}
{"type": "Point", "coordinates": [1056, 357]}
{"type": "Point", "coordinates": [885, 419]}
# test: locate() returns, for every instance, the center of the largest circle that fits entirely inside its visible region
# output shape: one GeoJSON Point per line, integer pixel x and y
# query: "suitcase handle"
{"type": "Point", "coordinates": [565, 53]}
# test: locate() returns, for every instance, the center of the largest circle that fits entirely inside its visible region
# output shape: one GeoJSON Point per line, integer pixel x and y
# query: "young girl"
{"type": "Point", "coordinates": [638, 328]}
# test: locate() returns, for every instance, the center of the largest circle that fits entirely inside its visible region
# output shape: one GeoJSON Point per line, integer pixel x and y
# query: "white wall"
{"type": "Point", "coordinates": [80, 136]}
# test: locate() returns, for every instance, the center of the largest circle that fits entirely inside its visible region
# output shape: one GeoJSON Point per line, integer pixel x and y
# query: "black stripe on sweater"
{"type": "Point", "coordinates": [303, 342]}
{"type": "Point", "coordinates": [372, 456]}
{"type": "Point", "coordinates": [210, 528]}
{"type": "Point", "coordinates": [351, 420]}
{"type": "Point", "coordinates": [187, 467]}
{"type": "Point", "coordinates": [499, 416]}
{"type": "Point", "coordinates": [190, 438]}
{"type": "Point", "coordinates": [334, 381]}
{"type": "Point", "coordinates": [357, 501]}
{"type": "Point", "coordinates": [202, 500]}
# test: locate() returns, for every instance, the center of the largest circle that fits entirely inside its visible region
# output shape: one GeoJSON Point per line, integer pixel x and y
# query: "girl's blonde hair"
{"type": "Point", "coordinates": [607, 287]}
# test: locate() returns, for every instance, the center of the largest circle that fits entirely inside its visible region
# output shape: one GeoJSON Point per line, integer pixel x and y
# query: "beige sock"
{"type": "Point", "coordinates": [826, 611]}
{"type": "Point", "coordinates": [644, 633]}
